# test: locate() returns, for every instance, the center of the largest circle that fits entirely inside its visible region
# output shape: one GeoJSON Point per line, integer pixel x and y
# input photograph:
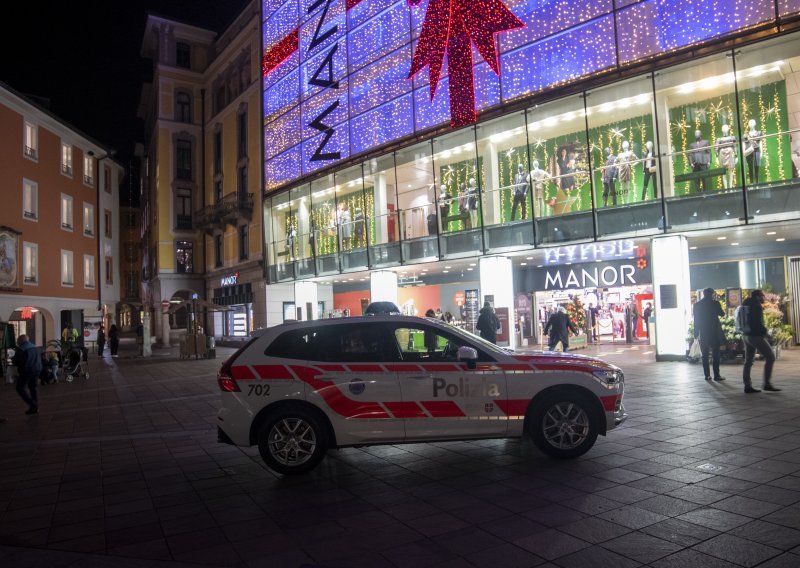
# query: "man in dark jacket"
{"type": "Point", "coordinates": [556, 329]}
{"type": "Point", "coordinates": [755, 339]}
{"type": "Point", "coordinates": [29, 366]}
{"type": "Point", "coordinates": [487, 323]}
{"type": "Point", "coordinates": [709, 330]}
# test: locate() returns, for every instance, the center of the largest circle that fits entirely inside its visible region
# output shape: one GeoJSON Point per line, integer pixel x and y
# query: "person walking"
{"type": "Point", "coordinates": [113, 339]}
{"type": "Point", "coordinates": [709, 330]}
{"type": "Point", "coordinates": [593, 313]}
{"type": "Point", "coordinates": [101, 341]}
{"type": "Point", "coordinates": [557, 328]}
{"type": "Point", "coordinates": [29, 366]}
{"type": "Point", "coordinates": [755, 339]}
{"type": "Point", "coordinates": [648, 311]}
{"type": "Point", "coordinates": [488, 323]}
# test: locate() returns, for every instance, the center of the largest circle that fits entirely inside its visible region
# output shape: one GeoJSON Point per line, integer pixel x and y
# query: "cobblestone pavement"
{"type": "Point", "coordinates": [124, 470]}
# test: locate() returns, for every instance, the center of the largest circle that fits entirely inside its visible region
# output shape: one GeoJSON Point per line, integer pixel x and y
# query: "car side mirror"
{"type": "Point", "coordinates": [468, 354]}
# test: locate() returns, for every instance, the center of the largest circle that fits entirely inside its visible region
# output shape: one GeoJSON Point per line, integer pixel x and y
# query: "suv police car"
{"type": "Point", "coordinates": [300, 388]}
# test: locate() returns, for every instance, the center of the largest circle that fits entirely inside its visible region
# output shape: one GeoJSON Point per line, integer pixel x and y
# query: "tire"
{"type": "Point", "coordinates": [70, 378]}
{"type": "Point", "coordinates": [292, 441]}
{"type": "Point", "coordinates": [563, 425]}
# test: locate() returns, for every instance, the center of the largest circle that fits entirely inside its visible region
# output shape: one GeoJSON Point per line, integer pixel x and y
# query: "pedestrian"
{"type": "Point", "coordinates": [488, 323]}
{"type": "Point", "coordinates": [113, 339]}
{"type": "Point", "coordinates": [101, 341]}
{"type": "Point", "coordinates": [65, 334]}
{"type": "Point", "coordinates": [430, 313]}
{"type": "Point", "coordinates": [29, 366]}
{"type": "Point", "coordinates": [755, 339]}
{"type": "Point", "coordinates": [708, 329]}
{"type": "Point", "coordinates": [593, 313]}
{"type": "Point", "coordinates": [557, 329]}
{"type": "Point", "coordinates": [634, 319]}
{"type": "Point", "coordinates": [648, 311]}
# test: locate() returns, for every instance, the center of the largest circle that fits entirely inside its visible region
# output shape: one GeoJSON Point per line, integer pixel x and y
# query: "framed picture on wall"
{"type": "Point", "coordinates": [9, 260]}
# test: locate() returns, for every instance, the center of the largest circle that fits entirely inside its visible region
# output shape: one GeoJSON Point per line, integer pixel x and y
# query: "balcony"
{"type": "Point", "coordinates": [30, 152]}
{"type": "Point", "coordinates": [183, 222]}
{"type": "Point", "coordinates": [229, 210]}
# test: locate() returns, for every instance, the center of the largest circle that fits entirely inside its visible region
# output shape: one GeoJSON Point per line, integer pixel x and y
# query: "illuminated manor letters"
{"type": "Point", "coordinates": [319, 80]}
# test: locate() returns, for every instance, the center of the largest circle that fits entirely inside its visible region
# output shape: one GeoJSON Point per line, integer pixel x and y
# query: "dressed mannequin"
{"type": "Point", "coordinates": [345, 227]}
{"type": "Point", "coordinates": [291, 238]}
{"type": "Point", "coordinates": [520, 193]}
{"type": "Point", "coordinates": [609, 178]}
{"type": "Point", "coordinates": [463, 209]}
{"type": "Point", "coordinates": [649, 170]}
{"type": "Point", "coordinates": [472, 202]}
{"type": "Point", "coordinates": [312, 238]}
{"type": "Point", "coordinates": [726, 155]}
{"type": "Point", "coordinates": [752, 150]}
{"type": "Point", "coordinates": [566, 181]}
{"type": "Point", "coordinates": [625, 163]}
{"type": "Point", "coordinates": [358, 228]}
{"type": "Point", "coordinates": [444, 206]}
{"type": "Point", "coordinates": [699, 159]}
{"type": "Point", "coordinates": [538, 177]}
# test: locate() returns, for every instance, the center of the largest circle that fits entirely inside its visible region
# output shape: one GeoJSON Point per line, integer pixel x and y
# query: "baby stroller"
{"type": "Point", "coordinates": [75, 363]}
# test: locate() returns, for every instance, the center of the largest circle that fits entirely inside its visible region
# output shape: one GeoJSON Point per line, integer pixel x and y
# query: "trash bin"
{"type": "Point", "coordinates": [211, 343]}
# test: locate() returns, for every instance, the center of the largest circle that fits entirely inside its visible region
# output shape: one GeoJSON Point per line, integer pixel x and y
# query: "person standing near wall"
{"type": "Point", "coordinates": [708, 329]}
{"type": "Point", "coordinates": [755, 339]}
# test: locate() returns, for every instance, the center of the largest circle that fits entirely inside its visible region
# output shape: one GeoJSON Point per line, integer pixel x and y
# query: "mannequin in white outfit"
{"type": "Point", "coordinates": [625, 163]}
{"type": "Point", "coordinates": [472, 202]}
{"type": "Point", "coordinates": [538, 179]}
{"type": "Point", "coordinates": [726, 155]}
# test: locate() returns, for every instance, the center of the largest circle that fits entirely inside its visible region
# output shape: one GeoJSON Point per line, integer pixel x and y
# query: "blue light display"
{"type": "Point", "coordinates": [345, 89]}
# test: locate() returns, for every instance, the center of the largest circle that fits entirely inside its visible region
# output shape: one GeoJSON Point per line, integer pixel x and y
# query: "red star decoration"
{"type": "Point", "coordinates": [451, 27]}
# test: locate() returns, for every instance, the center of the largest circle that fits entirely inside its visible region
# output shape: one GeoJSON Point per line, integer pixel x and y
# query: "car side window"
{"type": "Point", "coordinates": [420, 343]}
{"type": "Point", "coordinates": [354, 344]}
{"type": "Point", "coordinates": [296, 344]}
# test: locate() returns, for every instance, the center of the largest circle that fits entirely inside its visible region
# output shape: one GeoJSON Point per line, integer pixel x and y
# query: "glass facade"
{"type": "Point", "coordinates": [712, 143]}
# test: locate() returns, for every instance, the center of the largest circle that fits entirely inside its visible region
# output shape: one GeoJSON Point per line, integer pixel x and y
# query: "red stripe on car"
{"type": "Point", "coordinates": [514, 407]}
{"type": "Point", "coordinates": [610, 402]}
{"type": "Point", "coordinates": [515, 367]}
{"type": "Point", "coordinates": [273, 372]}
{"type": "Point", "coordinates": [564, 367]}
{"type": "Point", "coordinates": [242, 373]}
{"type": "Point", "coordinates": [442, 408]}
{"type": "Point", "coordinates": [405, 409]}
{"type": "Point", "coordinates": [441, 368]}
{"type": "Point", "coordinates": [365, 368]}
{"type": "Point", "coordinates": [335, 398]}
{"type": "Point", "coordinates": [332, 368]}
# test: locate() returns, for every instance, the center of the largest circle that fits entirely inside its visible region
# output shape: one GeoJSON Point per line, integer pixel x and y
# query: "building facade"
{"type": "Point", "coordinates": [201, 180]}
{"type": "Point", "coordinates": [58, 229]}
{"type": "Point", "coordinates": [632, 123]}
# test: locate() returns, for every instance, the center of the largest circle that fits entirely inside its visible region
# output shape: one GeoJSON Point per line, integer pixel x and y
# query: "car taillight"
{"type": "Point", "coordinates": [225, 378]}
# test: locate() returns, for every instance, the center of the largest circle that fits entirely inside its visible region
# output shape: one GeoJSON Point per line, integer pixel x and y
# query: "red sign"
{"type": "Point", "coordinates": [503, 334]}
{"type": "Point", "coordinates": [26, 313]}
{"type": "Point", "coordinates": [458, 298]}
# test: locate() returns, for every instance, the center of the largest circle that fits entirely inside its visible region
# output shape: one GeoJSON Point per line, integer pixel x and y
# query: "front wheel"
{"type": "Point", "coordinates": [562, 425]}
{"type": "Point", "coordinates": [292, 441]}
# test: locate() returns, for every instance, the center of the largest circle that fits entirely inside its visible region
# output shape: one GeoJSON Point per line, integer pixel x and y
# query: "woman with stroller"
{"type": "Point", "coordinates": [113, 338]}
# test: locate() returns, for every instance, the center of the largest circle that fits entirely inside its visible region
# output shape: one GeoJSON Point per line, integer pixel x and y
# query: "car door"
{"type": "Point", "coordinates": [442, 397]}
{"type": "Point", "coordinates": [348, 380]}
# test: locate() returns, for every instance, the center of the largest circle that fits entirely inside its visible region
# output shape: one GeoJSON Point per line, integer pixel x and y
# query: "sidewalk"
{"type": "Point", "coordinates": [124, 470]}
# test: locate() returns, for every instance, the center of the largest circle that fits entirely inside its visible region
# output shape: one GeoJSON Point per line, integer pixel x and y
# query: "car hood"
{"type": "Point", "coordinates": [566, 360]}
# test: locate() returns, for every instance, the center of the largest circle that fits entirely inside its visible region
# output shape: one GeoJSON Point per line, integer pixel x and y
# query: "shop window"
{"type": "Point", "coordinates": [31, 143]}
{"type": "Point", "coordinates": [415, 169]}
{"type": "Point", "coordinates": [30, 253]}
{"type": "Point", "coordinates": [183, 107]}
{"type": "Point", "coordinates": [321, 230]}
{"type": "Point", "coordinates": [67, 275]}
{"type": "Point", "coordinates": [183, 209]}
{"type": "Point", "coordinates": [184, 257]}
{"type": "Point", "coordinates": [415, 197]}
{"type": "Point", "coordinates": [66, 159]}
{"type": "Point", "coordinates": [183, 159]}
{"type": "Point", "coordinates": [106, 179]}
{"type": "Point", "coordinates": [281, 233]}
{"type": "Point", "coordinates": [107, 223]}
{"type": "Point", "coordinates": [241, 134]}
{"type": "Point", "coordinates": [88, 219]}
{"type": "Point", "coordinates": [352, 200]}
{"type": "Point", "coordinates": [218, 151]}
{"type": "Point", "coordinates": [244, 245]}
{"type": "Point", "coordinates": [183, 55]}
{"type": "Point", "coordinates": [298, 239]}
{"type": "Point", "coordinates": [66, 212]}
{"type": "Point", "coordinates": [30, 200]}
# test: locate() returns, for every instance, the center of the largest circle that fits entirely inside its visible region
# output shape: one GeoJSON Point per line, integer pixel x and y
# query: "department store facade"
{"type": "Point", "coordinates": [600, 121]}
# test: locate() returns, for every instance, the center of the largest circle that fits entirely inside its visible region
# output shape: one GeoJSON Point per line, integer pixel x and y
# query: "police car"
{"type": "Point", "coordinates": [301, 388]}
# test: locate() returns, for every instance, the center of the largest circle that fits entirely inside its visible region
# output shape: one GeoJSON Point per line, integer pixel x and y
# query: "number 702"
{"type": "Point", "coordinates": [258, 390]}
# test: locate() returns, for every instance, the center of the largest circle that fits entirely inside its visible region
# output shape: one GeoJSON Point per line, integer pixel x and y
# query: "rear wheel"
{"type": "Point", "coordinates": [292, 441]}
{"type": "Point", "coordinates": [563, 426]}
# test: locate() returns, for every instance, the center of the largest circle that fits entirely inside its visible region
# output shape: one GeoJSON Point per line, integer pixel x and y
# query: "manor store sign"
{"type": "Point", "coordinates": [593, 275]}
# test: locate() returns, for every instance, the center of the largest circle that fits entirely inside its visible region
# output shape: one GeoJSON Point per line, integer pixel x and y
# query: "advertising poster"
{"type": "Point", "coordinates": [503, 334]}
{"type": "Point", "coordinates": [471, 309]}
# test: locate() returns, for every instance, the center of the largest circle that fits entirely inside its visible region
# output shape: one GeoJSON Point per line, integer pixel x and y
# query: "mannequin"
{"type": "Point", "coordinates": [345, 227]}
{"type": "Point", "coordinates": [649, 170]}
{"type": "Point", "coordinates": [520, 193]}
{"type": "Point", "coordinates": [699, 159]}
{"type": "Point", "coordinates": [472, 202]}
{"type": "Point", "coordinates": [566, 181]}
{"type": "Point", "coordinates": [291, 238]}
{"type": "Point", "coordinates": [752, 151]}
{"type": "Point", "coordinates": [538, 177]}
{"type": "Point", "coordinates": [358, 228]}
{"type": "Point", "coordinates": [312, 238]}
{"type": "Point", "coordinates": [609, 178]}
{"type": "Point", "coordinates": [444, 206]}
{"type": "Point", "coordinates": [625, 163]}
{"type": "Point", "coordinates": [463, 209]}
{"type": "Point", "coordinates": [726, 155]}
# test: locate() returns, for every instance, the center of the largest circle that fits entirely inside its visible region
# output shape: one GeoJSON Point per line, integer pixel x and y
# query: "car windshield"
{"type": "Point", "coordinates": [487, 345]}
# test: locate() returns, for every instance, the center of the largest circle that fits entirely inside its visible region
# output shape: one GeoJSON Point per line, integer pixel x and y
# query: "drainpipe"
{"type": "Point", "coordinates": [203, 191]}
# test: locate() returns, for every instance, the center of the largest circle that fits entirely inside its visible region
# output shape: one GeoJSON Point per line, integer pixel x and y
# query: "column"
{"type": "Point", "coordinates": [305, 298]}
{"type": "Point", "coordinates": [379, 214]}
{"type": "Point", "coordinates": [383, 286]}
{"type": "Point", "coordinates": [165, 323]}
{"type": "Point", "coordinates": [146, 345]}
{"type": "Point", "coordinates": [670, 257]}
{"type": "Point", "coordinates": [497, 281]}
{"type": "Point", "coordinates": [491, 195]}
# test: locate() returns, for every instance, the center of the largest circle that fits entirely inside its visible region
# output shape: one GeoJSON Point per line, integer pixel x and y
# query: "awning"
{"type": "Point", "coordinates": [194, 306]}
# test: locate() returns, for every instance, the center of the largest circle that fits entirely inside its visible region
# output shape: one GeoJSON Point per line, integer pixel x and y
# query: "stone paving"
{"type": "Point", "coordinates": [124, 470]}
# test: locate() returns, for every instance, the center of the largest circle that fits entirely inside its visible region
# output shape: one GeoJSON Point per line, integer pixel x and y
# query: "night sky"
{"type": "Point", "coordinates": [84, 58]}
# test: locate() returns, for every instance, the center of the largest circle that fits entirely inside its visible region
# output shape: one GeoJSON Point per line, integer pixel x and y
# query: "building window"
{"type": "Point", "coordinates": [88, 271]}
{"type": "Point", "coordinates": [218, 152]}
{"type": "Point", "coordinates": [131, 284]}
{"type": "Point", "coordinates": [107, 179]}
{"type": "Point", "coordinates": [183, 107]}
{"type": "Point", "coordinates": [184, 159]}
{"type": "Point", "coordinates": [244, 246]}
{"type": "Point", "coordinates": [183, 209]}
{"type": "Point", "coordinates": [218, 250]}
{"type": "Point", "coordinates": [88, 170]}
{"type": "Point", "coordinates": [67, 276]}
{"type": "Point", "coordinates": [183, 55]}
{"type": "Point", "coordinates": [109, 265]}
{"type": "Point", "coordinates": [30, 259]}
{"type": "Point", "coordinates": [184, 257]}
{"type": "Point", "coordinates": [241, 135]}
{"type": "Point", "coordinates": [66, 212]}
{"type": "Point", "coordinates": [107, 223]}
{"type": "Point", "coordinates": [66, 159]}
{"type": "Point", "coordinates": [31, 141]}
{"type": "Point", "coordinates": [30, 200]}
{"type": "Point", "coordinates": [88, 219]}
{"type": "Point", "coordinates": [242, 179]}
{"type": "Point", "coordinates": [219, 97]}
{"type": "Point", "coordinates": [131, 252]}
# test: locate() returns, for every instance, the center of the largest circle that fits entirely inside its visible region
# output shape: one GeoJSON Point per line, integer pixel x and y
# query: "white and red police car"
{"type": "Point", "coordinates": [300, 388]}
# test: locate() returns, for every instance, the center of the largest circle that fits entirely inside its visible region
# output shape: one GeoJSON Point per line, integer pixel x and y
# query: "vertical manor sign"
{"type": "Point", "coordinates": [323, 76]}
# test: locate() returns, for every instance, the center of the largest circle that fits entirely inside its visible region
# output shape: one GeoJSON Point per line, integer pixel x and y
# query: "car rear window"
{"type": "Point", "coordinates": [334, 343]}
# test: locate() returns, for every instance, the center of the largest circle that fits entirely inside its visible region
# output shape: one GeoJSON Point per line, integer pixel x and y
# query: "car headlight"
{"type": "Point", "coordinates": [610, 377]}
